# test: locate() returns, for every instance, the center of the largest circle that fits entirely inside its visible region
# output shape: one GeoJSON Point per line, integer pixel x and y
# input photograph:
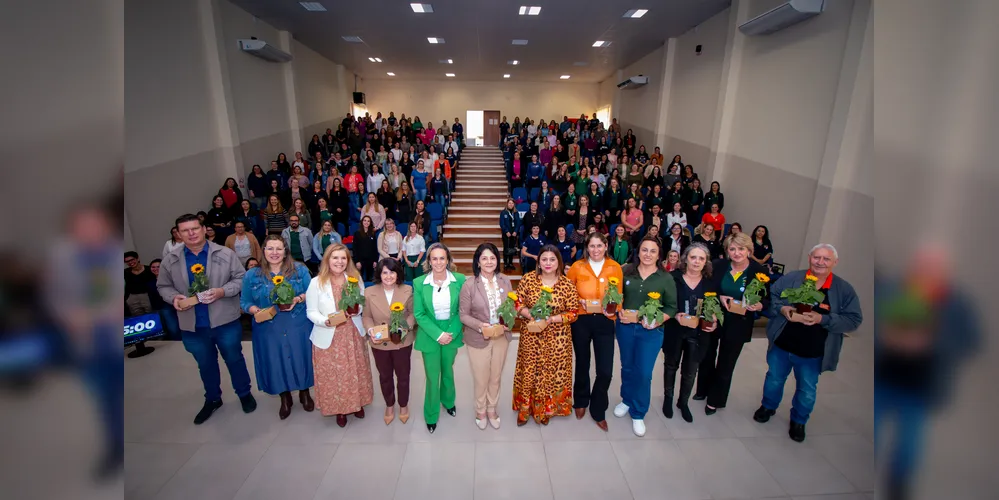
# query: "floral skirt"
{"type": "Point", "coordinates": [343, 373]}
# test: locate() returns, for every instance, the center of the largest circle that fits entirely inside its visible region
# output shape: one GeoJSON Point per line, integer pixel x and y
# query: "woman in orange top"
{"type": "Point", "coordinates": [592, 275]}
{"type": "Point", "coordinates": [715, 218]}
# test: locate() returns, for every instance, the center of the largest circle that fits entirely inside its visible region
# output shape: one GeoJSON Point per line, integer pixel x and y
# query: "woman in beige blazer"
{"type": "Point", "coordinates": [391, 357]}
{"type": "Point", "coordinates": [480, 297]}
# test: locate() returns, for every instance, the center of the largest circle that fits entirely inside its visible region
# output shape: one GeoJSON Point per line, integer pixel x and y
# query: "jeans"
{"type": "Point", "coordinates": [598, 330]}
{"type": "Point", "coordinates": [806, 376]}
{"type": "Point", "coordinates": [639, 350]}
{"type": "Point", "coordinates": [355, 201]}
{"type": "Point", "coordinates": [421, 194]}
{"type": "Point", "coordinates": [908, 409]}
{"type": "Point", "coordinates": [171, 325]}
{"type": "Point", "coordinates": [103, 372]}
{"type": "Point", "coordinates": [205, 344]}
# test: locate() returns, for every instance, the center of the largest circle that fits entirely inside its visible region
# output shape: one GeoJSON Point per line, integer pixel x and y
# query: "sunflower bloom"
{"type": "Point", "coordinates": [277, 280]}
{"type": "Point", "coordinates": [197, 269]}
{"type": "Point", "coordinates": [397, 307]}
{"type": "Point", "coordinates": [763, 278]}
{"type": "Point", "coordinates": [654, 295]}
{"type": "Point", "coordinates": [710, 294]}
{"type": "Point", "coordinates": [809, 277]}
{"type": "Point", "coordinates": [546, 289]}
{"type": "Point", "coordinates": [351, 279]}
{"type": "Point", "coordinates": [513, 296]}
{"type": "Point", "coordinates": [614, 281]}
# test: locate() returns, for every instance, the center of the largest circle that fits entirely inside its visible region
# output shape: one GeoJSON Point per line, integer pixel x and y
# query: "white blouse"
{"type": "Point", "coordinates": [414, 246]}
{"type": "Point", "coordinates": [441, 296]}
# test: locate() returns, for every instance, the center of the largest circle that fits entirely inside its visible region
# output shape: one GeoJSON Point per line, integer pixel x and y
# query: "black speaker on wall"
{"type": "Point", "coordinates": [358, 97]}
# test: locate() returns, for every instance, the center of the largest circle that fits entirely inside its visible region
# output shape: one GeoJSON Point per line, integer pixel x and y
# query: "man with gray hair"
{"type": "Point", "coordinates": [807, 342]}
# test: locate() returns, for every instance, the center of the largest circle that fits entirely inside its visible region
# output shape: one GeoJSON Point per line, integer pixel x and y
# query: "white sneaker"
{"type": "Point", "coordinates": [638, 427]}
{"type": "Point", "coordinates": [621, 410]}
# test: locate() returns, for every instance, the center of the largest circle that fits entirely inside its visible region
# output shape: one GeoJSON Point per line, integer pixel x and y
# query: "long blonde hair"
{"type": "Point", "coordinates": [325, 273]}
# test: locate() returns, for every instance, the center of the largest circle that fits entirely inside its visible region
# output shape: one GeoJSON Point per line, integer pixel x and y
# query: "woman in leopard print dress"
{"type": "Point", "coordinates": [542, 381]}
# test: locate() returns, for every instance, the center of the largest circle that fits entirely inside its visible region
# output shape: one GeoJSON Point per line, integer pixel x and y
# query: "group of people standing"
{"type": "Point", "coordinates": [316, 341]}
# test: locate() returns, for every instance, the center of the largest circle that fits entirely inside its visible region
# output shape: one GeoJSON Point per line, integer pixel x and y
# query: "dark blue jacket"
{"type": "Point", "coordinates": [535, 170]}
{"type": "Point", "coordinates": [510, 221]}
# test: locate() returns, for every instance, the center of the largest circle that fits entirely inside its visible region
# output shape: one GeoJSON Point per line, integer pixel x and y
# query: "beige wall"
{"type": "Point", "coordinates": [200, 110]}
{"type": "Point", "coordinates": [780, 121]}
{"type": "Point", "coordinates": [639, 107]}
{"type": "Point", "coordinates": [443, 100]}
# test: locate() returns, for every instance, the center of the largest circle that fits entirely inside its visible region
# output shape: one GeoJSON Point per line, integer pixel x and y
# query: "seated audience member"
{"type": "Point", "coordinates": [324, 238]}
{"type": "Point", "coordinates": [422, 219]}
{"type": "Point", "coordinates": [298, 239]}
{"type": "Point", "coordinates": [734, 228]}
{"type": "Point", "coordinates": [677, 216]}
{"type": "Point", "coordinates": [655, 219]}
{"type": "Point", "coordinates": [671, 175]}
{"type": "Point", "coordinates": [620, 245]}
{"type": "Point", "coordinates": [245, 244]}
{"type": "Point", "coordinates": [714, 196]}
{"type": "Point", "coordinates": [654, 177]}
{"type": "Point", "coordinates": [600, 224]}
{"type": "Point", "coordinates": [672, 261]}
{"type": "Point", "coordinates": [566, 246]}
{"type": "Point", "coordinates": [656, 157]}
{"type": "Point", "coordinates": [763, 250]}
{"type": "Point", "coordinates": [709, 238]}
{"type": "Point", "coordinates": [715, 218]}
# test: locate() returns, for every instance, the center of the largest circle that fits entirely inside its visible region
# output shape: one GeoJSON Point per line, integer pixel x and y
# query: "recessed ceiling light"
{"type": "Point", "coordinates": [513, 62]}
{"type": "Point", "coordinates": [564, 77]}
{"type": "Point", "coordinates": [352, 39]}
{"type": "Point", "coordinates": [601, 43]}
{"type": "Point", "coordinates": [506, 75]}
{"type": "Point", "coordinates": [446, 61]}
{"type": "Point", "coordinates": [635, 13]}
{"type": "Point", "coordinates": [312, 6]}
{"type": "Point", "coordinates": [580, 63]}
{"type": "Point", "coordinates": [390, 73]}
{"type": "Point", "coordinates": [375, 59]}
{"type": "Point", "coordinates": [449, 75]}
{"type": "Point", "coordinates": [422, 8]}
{"type": "Point", "coordinates": [529, 10]}
{"type": "Point", "coordinates": [519, 42]}
{"type": "Point", "coordinates": [433, 39]}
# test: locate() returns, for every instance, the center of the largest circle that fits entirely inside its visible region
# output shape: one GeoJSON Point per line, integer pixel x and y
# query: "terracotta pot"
{"type": "Point", "coordinates": [802, 308]}
{"type": "Point", "coordinates": [703, 323]}
{"type": "Point", "coordinates": [353, 310]}
{"type": "Point", "coordinates": [610, 308]}
{"type": "Point", "coordinates": [286, 307]}
{"type": "Point", "coordinates": [396, 337]}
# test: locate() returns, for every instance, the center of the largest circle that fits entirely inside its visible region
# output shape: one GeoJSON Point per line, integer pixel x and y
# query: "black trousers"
{"type": "Point", "coordinates": [720, 356]}
{"type": "Point", "coordinates": [367, 269]}
{"type": "Point", "coordinates": [510, 249]}
{"type": "Point", "coordinates": [598, 330]}
{"type": "Point", "coordinates": [683, 349]}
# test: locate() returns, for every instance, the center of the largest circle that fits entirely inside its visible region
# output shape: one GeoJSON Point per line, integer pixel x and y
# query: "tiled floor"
{"type": "Point", "coordinates": [726, 455]}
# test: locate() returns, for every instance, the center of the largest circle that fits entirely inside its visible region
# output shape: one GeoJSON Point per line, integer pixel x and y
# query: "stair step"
{"type": "Point", "coordinates": [454, 210]}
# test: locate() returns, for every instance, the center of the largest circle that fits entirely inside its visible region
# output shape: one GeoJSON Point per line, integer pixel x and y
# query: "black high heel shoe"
{"type": "Point", "coordinates": [431, 428]}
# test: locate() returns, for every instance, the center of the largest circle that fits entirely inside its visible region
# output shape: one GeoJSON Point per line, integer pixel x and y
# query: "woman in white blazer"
{"type": "Point", "coordinates": [339, 352]}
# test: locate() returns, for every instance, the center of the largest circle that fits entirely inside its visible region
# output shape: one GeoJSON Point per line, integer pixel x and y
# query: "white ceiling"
{"type": "Point", "coordinates": [478, 35]}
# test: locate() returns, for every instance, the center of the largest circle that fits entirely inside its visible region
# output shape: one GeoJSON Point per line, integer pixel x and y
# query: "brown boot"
{"type": "Point", "coordinates": [286, 404]}
{"type": "Point", "coordinates": [306, 399]}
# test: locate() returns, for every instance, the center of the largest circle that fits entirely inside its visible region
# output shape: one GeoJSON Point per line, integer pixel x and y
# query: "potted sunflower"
{"type": "Point", "coordinates": [282, 294]}
{"type": "Point", "coordinates": [507, 310]}
{"type": "Point", "coordinates": [540, 311]}
{"type": "Point", "coordinates": [397, 323]}
{"type": "Point", "coordinates": [805, 296]}
{"type": "Point", "coordinates": [198, 286]}
{"type": "Point", "coordinates": [612, 297]}
{"type": "Point", "coordinates": [650, 313]}
{"type": "Point", "coordinates": [352, 299]}
{"type": "Point", "coordinates": [753, 294]}
{"type": "Point", "coordinates": [711, 310]}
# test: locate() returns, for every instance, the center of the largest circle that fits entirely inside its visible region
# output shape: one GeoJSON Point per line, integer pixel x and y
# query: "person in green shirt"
{"type": "Point", "coordinates": [620, 246]}
{"type": "Point", "coordinates": [639, 343]}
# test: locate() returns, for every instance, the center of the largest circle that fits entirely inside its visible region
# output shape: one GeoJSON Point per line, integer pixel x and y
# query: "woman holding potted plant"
{"type": "Point", "coordinates": [598, 279]}
{"type": "Point", "coordinates": [487, 337]}
{"type": "Point", "coordinates": [686, 335]}
{"type": "Point", "coordinates": [386, 300]}
{"type": "Point", "coordinates": [737, 280]}
{"type": "Point", "coordinates": [339, 353]}
{"type": "Point", "coordinates": [282, 354]}
{"type": "Point", "coordinates": [649, 301]}
{"type": "Point", "coordinates": [542, 381]}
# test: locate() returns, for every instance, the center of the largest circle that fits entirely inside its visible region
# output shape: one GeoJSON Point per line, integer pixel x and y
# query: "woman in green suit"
{"type": "Point", "coordinates": [435, 305]}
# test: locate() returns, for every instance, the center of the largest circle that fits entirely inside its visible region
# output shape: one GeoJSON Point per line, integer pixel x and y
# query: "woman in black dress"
{"type": "Point", "coordinates": [763, 250]}
{"type": "Point", "coordinates": [366, 248]}
{"type": "Point", "coordinates": [694, 200]}
{"type": "Point", "coordinates": [714, 196]}
{"type": "Point", "coordinates": [709, 239]}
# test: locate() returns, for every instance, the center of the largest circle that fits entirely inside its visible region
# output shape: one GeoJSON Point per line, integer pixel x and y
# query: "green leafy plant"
{"type": "Point", "coordinates": [711, 309]}
{"type": "Point", "coordinates": [507, 310]}
{"type": "Point", "coordinates": [613, 295]}
{"type": "Point", "coordinates": [650, 311]}
{"type": "Point", "coordinates": [283, 293]}
{"type": "Point", "coordinates": [541, 309]}
{"type": "Point", "coordinates": [805, 293]}
{"type": "Point", "coordinates": [200, 283]}
{"type": "Point", "coordinates": [352, 297]}
{"type": "Point", "coordinates": [756, 289]}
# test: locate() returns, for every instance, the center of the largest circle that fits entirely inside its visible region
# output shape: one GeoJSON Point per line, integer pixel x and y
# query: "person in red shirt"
{"type": "Point", "coordinates": [230, 193]}
{"type": "Point", "coordinates": [715, 218]}
{"type": "Point", "coordinates": [355, 185]}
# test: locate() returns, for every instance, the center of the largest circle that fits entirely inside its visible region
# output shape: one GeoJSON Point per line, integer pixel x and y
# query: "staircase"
{"type": "Point", "coordinates": [479, 196]}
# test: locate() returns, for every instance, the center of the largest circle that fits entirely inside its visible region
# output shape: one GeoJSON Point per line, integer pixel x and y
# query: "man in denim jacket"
{"type": "Point", "coordinates": [808, 343]}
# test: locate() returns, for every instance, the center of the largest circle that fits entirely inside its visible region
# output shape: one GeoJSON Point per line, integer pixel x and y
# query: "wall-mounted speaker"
{"type": "Point", "coordinates": [697, 50]}
{"type": "Point", "coordinates": [358, 97]}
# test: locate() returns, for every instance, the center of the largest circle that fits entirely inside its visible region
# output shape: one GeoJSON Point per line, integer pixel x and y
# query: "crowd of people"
{"type": "Point", "coordinates": [313, 328]}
